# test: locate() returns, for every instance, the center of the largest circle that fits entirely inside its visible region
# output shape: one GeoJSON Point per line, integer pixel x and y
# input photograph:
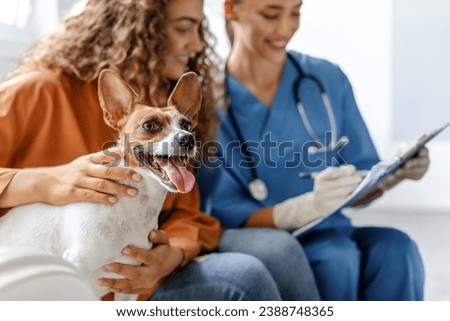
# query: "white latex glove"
{"type": "Point", "coordinates": [331, 187]}
{"type": "Point", "coordinates": [413, 169]}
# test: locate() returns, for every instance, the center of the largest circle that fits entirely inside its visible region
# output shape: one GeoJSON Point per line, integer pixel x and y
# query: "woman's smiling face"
{"type": "Point", "coordinates": [264, 27]}
{"type": "Point", "coordinates": [184, 20]}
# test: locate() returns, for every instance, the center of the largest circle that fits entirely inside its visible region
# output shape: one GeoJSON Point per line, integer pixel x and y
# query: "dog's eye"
{"type": "Point", "coordinates": [185, 125]}
{"type": "Point", "coordinates": [152, 125]}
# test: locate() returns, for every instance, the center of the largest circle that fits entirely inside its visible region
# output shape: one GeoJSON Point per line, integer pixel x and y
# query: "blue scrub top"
{"type": "Point", "coordinates": [277, 139]}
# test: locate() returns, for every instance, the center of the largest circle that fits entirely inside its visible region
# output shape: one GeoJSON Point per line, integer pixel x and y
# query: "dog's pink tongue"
{"type": "Point", "coordinates": [179, 176]}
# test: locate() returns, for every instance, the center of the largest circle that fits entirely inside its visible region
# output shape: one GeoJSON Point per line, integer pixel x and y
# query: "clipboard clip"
{"type": "Point", "coordinates": [420, 143]}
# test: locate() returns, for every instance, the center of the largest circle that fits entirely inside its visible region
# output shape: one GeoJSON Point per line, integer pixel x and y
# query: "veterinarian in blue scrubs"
{"type": "Point", "coordinates": [266, 142]}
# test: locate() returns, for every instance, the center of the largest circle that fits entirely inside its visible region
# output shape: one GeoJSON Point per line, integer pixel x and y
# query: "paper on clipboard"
{"type": "Point", "coordinates": [377, 173]}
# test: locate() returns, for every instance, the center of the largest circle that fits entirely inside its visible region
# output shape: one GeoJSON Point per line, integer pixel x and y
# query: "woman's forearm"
{"type": "Point", "coordinates": [21, 189]}
{"type": "Point", "coordinates": [84, 179]}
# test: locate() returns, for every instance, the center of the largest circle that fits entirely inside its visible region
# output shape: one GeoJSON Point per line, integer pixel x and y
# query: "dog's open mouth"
{"type": "Point", "coordinates": [171, 170]}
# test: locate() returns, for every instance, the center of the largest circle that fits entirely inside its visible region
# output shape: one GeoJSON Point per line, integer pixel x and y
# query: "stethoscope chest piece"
{"type": "Point", "coordinates": [258, 189]}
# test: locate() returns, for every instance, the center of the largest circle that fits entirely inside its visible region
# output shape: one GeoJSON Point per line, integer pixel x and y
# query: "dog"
{"type": "Point", "coordinates": [90, 235]}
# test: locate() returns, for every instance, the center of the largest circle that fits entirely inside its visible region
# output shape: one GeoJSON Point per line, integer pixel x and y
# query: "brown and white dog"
{"type": "Point", "coordinates": [90, 235]}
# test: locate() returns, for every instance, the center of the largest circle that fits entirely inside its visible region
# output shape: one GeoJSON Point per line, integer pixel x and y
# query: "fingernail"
{"type": "Point", "coordinates": [112, 200]}
{"type": "Point", "coordinates": [131, 192]}
{"type": "Point", "coordinates": [136, 177]}
{"type": "Point", "coordinates": [152, 234]}
{"type": "Point", "coordinates": [108, 267]}
{"type": "Point", "coordinates": [126, 251]}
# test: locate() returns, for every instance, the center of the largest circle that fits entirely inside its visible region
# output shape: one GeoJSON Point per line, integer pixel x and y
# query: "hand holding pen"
{"type": "Point", "coordinates": [331, 187]}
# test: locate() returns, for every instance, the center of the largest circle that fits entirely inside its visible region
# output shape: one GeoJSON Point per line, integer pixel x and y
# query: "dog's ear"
{"type": "Point", "coordinates": [187, 97]}
{"type": "Point", "coordinates": [116, 98]}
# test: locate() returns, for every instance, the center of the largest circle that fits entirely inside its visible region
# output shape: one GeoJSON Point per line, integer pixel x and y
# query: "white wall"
{"type": "Point", "coordinates": [421, 95]}
{"type": "Point", "coordinates": [22, 23]}
{"type": "Point", "coordinates": [363, 37]}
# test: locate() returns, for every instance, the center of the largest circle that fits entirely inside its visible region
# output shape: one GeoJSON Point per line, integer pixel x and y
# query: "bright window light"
{"type": "Point", "coordinates": [15, 12]}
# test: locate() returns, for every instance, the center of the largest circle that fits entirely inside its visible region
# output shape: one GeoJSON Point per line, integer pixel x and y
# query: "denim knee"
{"type": "Point", "coordinates": [283, 256]}
{"type": "Point", "coordinates": [220, 277]}
{"type": "Point", "coordinates": [265, 243]}
{"type": "Point", "coordinates": [248, 274]}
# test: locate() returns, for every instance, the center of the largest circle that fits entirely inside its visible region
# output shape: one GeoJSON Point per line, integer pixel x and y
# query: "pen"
{"type": "Point", "coordinates": [314, 174]}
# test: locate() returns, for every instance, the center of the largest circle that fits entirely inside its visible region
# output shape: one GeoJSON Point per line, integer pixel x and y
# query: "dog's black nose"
{"type": "Point", "coordinates": [186, 141]}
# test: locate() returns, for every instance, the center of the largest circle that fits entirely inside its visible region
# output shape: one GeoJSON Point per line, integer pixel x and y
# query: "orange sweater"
{"type": "Point", "coordinates": [48, 118]}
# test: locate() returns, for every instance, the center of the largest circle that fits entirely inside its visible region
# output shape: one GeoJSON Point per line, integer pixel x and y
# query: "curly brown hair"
{"type": "Point", "coordinates": [128, 37]}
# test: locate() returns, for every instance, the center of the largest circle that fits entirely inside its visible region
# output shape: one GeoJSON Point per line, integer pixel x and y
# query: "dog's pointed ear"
{"type": "Point", "coordinates": [187, 97]}
{"type": "Point", "coordinates": [116, 98]}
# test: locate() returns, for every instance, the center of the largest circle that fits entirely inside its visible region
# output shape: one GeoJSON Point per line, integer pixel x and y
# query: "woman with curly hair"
{"type": "Point", "coordinates": [51, 125]}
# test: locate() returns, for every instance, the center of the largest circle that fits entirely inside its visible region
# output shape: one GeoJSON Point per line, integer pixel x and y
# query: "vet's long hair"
{"type": "Point", "coordinates": [128, 37]}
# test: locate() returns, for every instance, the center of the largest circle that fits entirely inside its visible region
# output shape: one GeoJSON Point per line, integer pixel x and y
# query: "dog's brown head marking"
{"type": "Point", "coordinates": [161, 137]}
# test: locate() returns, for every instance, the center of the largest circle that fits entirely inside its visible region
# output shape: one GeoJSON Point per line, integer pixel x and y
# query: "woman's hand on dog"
{"type": "Point", "coordinates": [85, 179]}
{"type": "Point", "coordinates": [156, 264]}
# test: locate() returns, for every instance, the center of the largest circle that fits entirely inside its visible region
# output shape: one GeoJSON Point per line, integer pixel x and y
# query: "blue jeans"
{"type": "Point", "coordinates": [220, 277]}
{"type": "Point", "coordinates": [283, 256]}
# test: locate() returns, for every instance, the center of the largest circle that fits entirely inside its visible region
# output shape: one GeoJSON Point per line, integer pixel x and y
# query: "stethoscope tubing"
{"type": "Point", "coordinates": [301, 108]}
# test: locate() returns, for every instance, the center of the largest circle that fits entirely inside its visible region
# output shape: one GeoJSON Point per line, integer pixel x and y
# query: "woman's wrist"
{"type": "Point", "coordinates": [180, 258]}
{"type": "Point", "coordinates": [189, 248]}
{"type": "Point", "coordinates": [22, 189]}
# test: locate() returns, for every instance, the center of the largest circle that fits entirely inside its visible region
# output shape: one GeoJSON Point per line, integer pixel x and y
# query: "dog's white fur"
{"type": "Point", "coordinates": [90, 235]}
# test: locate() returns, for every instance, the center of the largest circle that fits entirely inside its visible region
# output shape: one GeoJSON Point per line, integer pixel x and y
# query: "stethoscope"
{"type": "Point", "coordinates": [257, 188]}
{"type": "Point", "coordinates": [320, 146]}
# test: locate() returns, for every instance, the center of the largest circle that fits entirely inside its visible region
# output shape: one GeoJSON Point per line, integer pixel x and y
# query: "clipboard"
{"type": "Point", "coordinates": [377, 173]}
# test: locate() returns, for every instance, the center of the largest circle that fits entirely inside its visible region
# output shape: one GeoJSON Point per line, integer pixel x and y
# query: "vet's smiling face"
{"type": "Point", "coordinates": [263, 28]}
